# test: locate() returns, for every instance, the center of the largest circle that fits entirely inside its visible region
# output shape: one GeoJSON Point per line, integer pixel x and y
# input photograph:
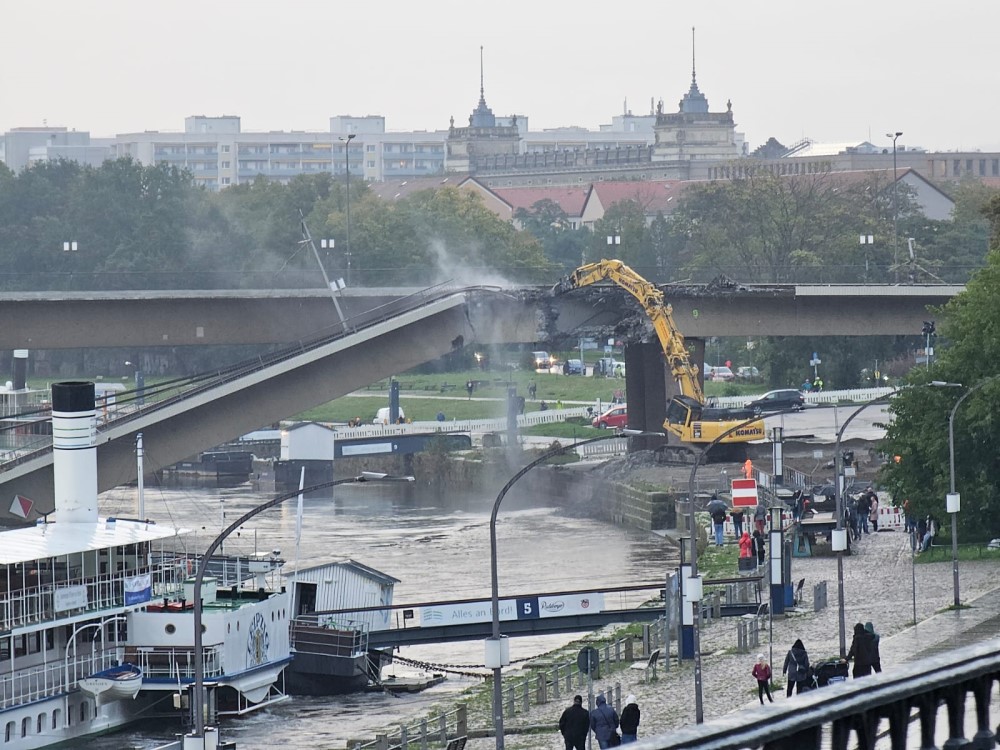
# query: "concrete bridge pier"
{"type": "Point", "coordinates": [650, 387]}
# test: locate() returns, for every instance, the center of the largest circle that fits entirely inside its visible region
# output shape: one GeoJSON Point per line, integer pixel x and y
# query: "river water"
{"type": "Point", "coordinates": [437, 545]}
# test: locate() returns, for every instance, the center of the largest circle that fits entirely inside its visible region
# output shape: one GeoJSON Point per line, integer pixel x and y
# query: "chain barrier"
{"type": "Point", "coordinates": [459, 669]}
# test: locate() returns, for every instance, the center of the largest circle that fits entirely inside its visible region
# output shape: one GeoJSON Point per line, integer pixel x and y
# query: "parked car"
{"type": "Point", "coordinates": [747, 373]}
{"type": "Point", "coordinates": [722, 374]}
{"type": "Point", "coordinates": [573, 367]}
{"type": "Point", "coordinates": [779, 400]}
{"type": "Point", "coordinates": [616, 418]}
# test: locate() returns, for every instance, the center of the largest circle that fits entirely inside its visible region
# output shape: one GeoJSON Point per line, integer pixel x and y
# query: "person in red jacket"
{"type": "Point", "coordinates": [746, 545]}
{"type": "Point", "coordinates": [762, 673]}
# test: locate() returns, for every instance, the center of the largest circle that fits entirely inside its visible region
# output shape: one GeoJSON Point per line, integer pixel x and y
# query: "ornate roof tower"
{"type": "Point", "coordinates": [483, 138]}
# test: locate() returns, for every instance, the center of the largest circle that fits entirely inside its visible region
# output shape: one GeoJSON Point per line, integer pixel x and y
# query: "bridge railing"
{"type": "Point", "coordinates": [129, 405]}
{"type": "Point", "coordinates": [851, 714]}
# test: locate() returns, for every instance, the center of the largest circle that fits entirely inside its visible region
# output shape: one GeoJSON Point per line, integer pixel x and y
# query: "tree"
{"type": "Point", "coordinates": [918, 435]}
{"type": "Point", "coordinates": [563, 245]}
{"type": "Point", "coordinates": [764, 228]}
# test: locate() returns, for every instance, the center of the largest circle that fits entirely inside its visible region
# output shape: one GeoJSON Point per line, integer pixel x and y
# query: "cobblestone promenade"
{"type": "Point", "coordinates": [877, 588]}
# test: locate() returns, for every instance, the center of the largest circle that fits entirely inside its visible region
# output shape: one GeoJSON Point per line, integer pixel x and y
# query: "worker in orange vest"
{"type": "Point", "coordinates": [748, 469]}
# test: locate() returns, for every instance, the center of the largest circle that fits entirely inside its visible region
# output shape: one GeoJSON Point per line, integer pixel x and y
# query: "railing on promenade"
{"type": "Point", "coordinates": [902, 703]}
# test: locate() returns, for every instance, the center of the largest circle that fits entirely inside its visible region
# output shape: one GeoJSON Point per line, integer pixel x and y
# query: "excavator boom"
{"type": "Point", "coordinates": [659, 313]}
{"type": "Point", "coordinates": [687, 418]}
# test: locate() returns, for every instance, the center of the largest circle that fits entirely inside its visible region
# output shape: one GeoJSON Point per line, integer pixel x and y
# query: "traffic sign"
{"type": "Point", "coordinates": [588, 660]}
{"type": "Point", "coordinates": [744, 493]}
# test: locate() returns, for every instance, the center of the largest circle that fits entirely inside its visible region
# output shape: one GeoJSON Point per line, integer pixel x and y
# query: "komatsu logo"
{"type": "Point", "coordinates": [747, 431]}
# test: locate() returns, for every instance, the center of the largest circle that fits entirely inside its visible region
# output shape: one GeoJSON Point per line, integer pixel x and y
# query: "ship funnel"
{"type": "Point", "coordinates": [20, 369]}
{"type": "Point", "coordinates": [74, 455]}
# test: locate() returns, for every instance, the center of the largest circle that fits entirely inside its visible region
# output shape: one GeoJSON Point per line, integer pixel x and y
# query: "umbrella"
{"type": "Point", "coordinates": [717, 506]}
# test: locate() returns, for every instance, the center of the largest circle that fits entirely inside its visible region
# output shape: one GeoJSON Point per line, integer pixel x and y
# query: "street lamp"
{"type": "Point", "coordinates": [347, 161]}
{"type": "Point", "coordinates": [199, 656]}
{"type": "Point", "coordinates": [839, 537]}
{"type": "Point", "coordinates": [954, 499]}
{"type": "Point", "coordinates": [495, 655]}
{"type": "Point", "coordinates": [895, 205]}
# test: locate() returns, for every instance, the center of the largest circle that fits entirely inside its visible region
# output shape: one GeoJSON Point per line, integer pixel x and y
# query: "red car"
{"type": "Point", "coordinates": [616, 418]}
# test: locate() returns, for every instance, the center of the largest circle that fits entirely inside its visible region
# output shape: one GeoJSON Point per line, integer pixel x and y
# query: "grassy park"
{"type": "Point", "coordinates": [422, 396]}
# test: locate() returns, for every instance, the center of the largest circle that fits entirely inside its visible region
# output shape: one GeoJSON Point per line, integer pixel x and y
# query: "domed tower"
{"type": "Point", "coordinates": [482, 138]}
{"type": "Point", "coordinates": [692, 132]}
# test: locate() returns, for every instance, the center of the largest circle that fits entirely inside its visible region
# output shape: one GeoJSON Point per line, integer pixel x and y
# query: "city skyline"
{"type": "Point", "coordinates": [839, 71]}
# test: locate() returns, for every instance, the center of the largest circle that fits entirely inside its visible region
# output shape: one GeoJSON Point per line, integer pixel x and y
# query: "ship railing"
{"type": "Point", "coordinates": [39, 603]}
{"type": "Point", "coordinates": [174, 663]}
{"type": "Point", "coordinates": [44, 680]}
{"type": "Point", "coordinates": [340, 635]}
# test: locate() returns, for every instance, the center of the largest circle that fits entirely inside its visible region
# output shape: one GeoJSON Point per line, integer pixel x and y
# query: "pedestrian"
{"type": "Point", "coordinates": [532, 389]}
{"type": "Point", "coordinates": [717, 509]}
{"type": "Point", "coordinates": [797, 667]}
{"type": "Point", "coordinates": [864, 511]}
{"type": "Point", "coordinates": [862, 651]}
{"type": "Point", "coordinates": [469, 388]}
{"type": "Point", "coordinates": [853, 520]}
{"type": "Point", "coordinates": [920, 530]}
{"type": "Point", "coordinates": [877, 658]}
{"type": "Point", "coordinates": [440, 416]}
{"type": "Point", "coordinates": [758, 546]}
{"type": "Point", "coordinates": [818, 384]}
{"type": "Point", "coordinates": [748, 469]}
{"type": "Point", "coordinates": [543, 406]}
{"type": "Point", "coordinates": [604, 722]}
{"type": "Point", "coordinates": [762, 673]}
{"type": "Point", "coordinates": [559, 404]}
{"type": "Point", "coordinates": [520, 405]}
{"type": "Point", "coordinates": [746, 545]}
{"type": "Point", "coordinates": [930, 530]}
{"type": "Point", "coordinates": [760, 517]}
{"type": "Point", "coordinates": [737, 515]}
{"type": "Point", "coordinates": [873, 513]}
{"type": "Point", "coordinates": [797, 505]}
{"type": "Point", "coordinates": [630, 721]}
{"type": "Point", "coordinates": [574, 725]}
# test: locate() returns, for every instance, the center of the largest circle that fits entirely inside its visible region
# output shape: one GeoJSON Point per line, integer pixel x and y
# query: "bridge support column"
{"type": "Point", "coordinates": [646, 384]}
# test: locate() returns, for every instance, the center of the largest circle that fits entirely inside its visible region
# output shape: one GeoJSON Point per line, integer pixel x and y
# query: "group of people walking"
{"type": "Point", "coordinates": [611, 730]}
{"type": "Point", "coordinates": [576, 722]}
{"type": "Point", "coordinates": [802, 676]}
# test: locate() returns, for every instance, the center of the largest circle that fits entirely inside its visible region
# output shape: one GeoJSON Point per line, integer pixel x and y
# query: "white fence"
{"type": "Point", "coordinates": [499, 424]}
{"type": "Point", "coordinates": [854, 395]}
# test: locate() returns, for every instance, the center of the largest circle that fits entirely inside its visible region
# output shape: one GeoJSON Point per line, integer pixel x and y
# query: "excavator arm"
{"type": "Point", "coordinates": [660, 314]}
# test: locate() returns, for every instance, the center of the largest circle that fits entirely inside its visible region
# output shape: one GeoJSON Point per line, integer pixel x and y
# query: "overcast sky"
{"type": "Point", "coordinates": [833, 71]}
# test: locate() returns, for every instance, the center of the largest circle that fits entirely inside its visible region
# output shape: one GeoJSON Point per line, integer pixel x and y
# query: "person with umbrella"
{"type": "Point", "coordinates": [717, 509]}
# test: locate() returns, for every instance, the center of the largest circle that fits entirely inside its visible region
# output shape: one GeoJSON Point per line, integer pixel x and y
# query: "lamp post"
{"type": "Point", "coordinates": [199, 655]}
{"type": "Point", "coordinates": [866, 239]}
{"type": "Point", "coordinates": [494, 650]}
{"type": "Point", "coordinates": [954, 499]}
{"type": "Point", "coordinates": [839, 538]}
{"type": "Point", "coordinates": [895, 206]}
{"type": "Point", "coordinates": [347, 162]}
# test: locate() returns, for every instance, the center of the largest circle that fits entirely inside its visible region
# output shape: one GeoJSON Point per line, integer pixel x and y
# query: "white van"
{"type": "Point", "coordinates": [382, 415]}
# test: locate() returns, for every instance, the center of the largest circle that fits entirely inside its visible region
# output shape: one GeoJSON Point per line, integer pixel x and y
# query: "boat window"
{"type": "Point", "coordinates": [9, 733]}
{"type": "Point", "coordinates": [5, 648]}
{"type": "Point", "coordinates": [40, 724]}
{"type": "Point", "coordinates": [170, 629]}
{"type": "Point", "coordinates": [83, 711]}
{"type": "Point", "coordinates": [56, 715]}
{"type": "Point", "coordinates": [25, 726]}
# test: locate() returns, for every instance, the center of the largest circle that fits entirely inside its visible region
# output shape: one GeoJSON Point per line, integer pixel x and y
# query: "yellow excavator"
{"type": "Point", "coordinates": [688, 419]}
